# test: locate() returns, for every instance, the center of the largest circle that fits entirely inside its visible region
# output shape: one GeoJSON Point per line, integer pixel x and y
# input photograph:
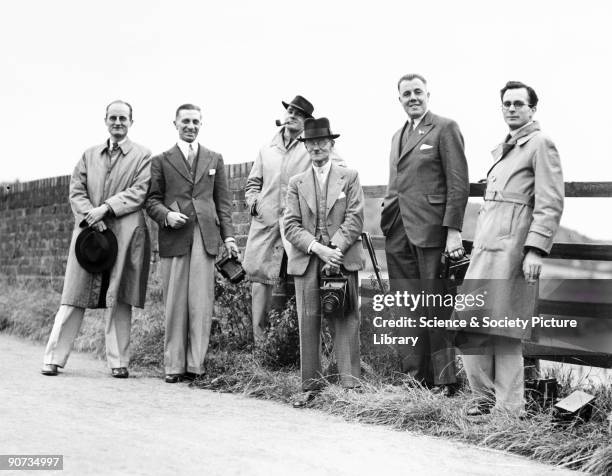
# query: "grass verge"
{"type": "Point", "coordinates": [388, 399]}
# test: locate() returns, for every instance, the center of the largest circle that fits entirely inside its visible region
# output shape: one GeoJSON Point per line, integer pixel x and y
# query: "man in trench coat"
{"type": "Point", "coordinates": [107, 189]}
{"type": "Point", "coordinates": [323, 225]}
{"type": "Point", "coordinates": [522, 209]}
{"type": "Point", "coordinates": [265, 258]}
{"type": "Point", "coordinates": [422, 218]}
{"type": "Point", "coordinates": [190, 200]}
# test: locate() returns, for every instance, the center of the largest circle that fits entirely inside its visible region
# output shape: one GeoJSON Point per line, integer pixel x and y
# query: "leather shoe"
{"type": "Point", "coordinates": [448, 390]}
{"type": "Point", "coordinates": [120, 372]}
{"type": "Point", "coordinates": [305, 398]}
{"type": "Point", "coordinates": [49, 369]}
{"type": "Point", "coordinates": [482, 408]}
{"type": "Point", "coordinates": [191, 376]}
{"type": "Point", "coordinates": [173, 378]}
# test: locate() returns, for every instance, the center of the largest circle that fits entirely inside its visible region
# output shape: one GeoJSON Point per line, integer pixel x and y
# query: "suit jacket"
{"type": "Point", "coordinates": [204, 198]}
{"type": "Point", "coordinates": [345, 205]}
{"type": "Point", "coordinates": [428, 181]}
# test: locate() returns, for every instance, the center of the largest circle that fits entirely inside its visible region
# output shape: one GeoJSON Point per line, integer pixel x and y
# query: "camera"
{"type": "Point", "coordinates": [231, 269]}
{"type": "Point", "coordinates": [333, 295]}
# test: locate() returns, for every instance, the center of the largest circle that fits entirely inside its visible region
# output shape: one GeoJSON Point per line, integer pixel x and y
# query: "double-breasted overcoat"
{"type": "Point", "coordinates": [522, 208]}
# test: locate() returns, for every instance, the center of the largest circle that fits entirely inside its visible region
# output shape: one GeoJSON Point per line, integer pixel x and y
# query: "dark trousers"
{"type": "Point", "coordinates": [414, 269]}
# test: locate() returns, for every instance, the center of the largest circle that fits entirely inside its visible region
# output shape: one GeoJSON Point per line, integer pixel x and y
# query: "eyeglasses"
{"type": "Point", "coordinates": [516, 104]}
{"type": "Point", "coordinates": [320, 143]}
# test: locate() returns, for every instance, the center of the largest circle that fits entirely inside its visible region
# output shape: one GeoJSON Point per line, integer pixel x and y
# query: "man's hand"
{"type": "Point", "coordinates": [96, 214]}
{"type": "Point", "coordinates": [532, 266]}
{"type": "Point", "coordinates": [99, 226]}
{"type": "Point", "coordinates": [176, 219]}
{"type": "Point", "coordinates": [331, 256]}
{"type": "Point", "coordinates": [232, 249]}
{"type": "Point", "coordinates": [454, 244]}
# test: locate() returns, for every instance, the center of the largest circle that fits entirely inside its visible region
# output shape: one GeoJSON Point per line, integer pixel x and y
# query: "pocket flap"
{"type": "Point", "coordinates": [436, 198]}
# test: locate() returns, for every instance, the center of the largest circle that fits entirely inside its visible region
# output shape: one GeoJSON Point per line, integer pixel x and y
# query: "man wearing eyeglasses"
{"type": "Point", "coordinates": [265, 260]}
{"type": "Point", "coordinates": [521, 212]}
{"type": "Point", "coordinates": [421, 219]}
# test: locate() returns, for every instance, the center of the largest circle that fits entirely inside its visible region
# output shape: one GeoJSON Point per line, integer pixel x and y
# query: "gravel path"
{"type": "Point", "coordinates": [143, 426]}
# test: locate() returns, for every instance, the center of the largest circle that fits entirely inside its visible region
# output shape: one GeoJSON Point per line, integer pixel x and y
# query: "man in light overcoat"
{"type": "Point", "coordinates": [421, 219]}
{"type": "Point", "coordinates": [522, 209]}
{"type": "Point", "coordinates": [190, 200]}
{"type": "Point", "coordinates": [265, 258]}
{"type": "Point", "coordinates": [323, 225]}
{"type": "Point", "coordinates": [107, 189]}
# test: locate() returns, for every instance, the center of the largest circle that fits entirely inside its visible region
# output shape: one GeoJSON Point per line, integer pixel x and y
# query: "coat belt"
{"type": "Point", "coordinates": [512, 197]}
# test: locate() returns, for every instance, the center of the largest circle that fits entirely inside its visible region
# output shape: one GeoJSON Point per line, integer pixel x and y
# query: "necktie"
{"type": "Point", "coordinates": [507, 145]}
{"type": "Point", "coordinates": [407, 135]}
{"type": "Point", "coordinates": [114, 152]}
{"type": "Point", "coordinates": [191, 156]}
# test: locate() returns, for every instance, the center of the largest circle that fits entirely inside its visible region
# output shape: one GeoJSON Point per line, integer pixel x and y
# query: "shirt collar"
{"type": "Point", "coordinates": [184, 146]}
{"type": "Point", "coordinates": [322, 171]}
{"type": "Point", "coordinates": [417, 121]}
{"type": "Point", "coordinates": [120, 143]}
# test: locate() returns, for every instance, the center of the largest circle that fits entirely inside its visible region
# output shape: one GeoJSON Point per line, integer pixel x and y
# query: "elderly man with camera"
{"type": "Point", "coordinates": [323, 224]}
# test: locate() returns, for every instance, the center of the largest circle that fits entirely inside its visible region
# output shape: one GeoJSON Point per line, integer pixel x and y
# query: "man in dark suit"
{"type": "Point", "coordinates": [190, 201]}
{"type": "Point", "coordinates": [422, 218]}
{"type": "Point", "coordinates": [323, 224]}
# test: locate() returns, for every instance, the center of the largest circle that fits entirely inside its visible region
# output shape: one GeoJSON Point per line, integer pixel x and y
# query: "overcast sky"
{"type": "Point", "coordinates": [65, 60]}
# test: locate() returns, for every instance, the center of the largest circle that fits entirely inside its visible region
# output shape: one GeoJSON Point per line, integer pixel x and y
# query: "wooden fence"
{"type": "Point", "coordinates": [569, 251]}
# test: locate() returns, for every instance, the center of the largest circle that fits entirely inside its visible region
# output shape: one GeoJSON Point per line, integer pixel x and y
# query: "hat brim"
{"type": "Point", "coordinates": [330, 136]}
{"type": "Point", "coordinates": [286, 105]}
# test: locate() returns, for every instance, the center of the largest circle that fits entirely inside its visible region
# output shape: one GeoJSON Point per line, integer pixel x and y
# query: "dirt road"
{"type": "Point", "coordinates": [143, 426]}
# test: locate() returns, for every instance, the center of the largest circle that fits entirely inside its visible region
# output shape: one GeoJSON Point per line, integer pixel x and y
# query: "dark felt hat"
{"type": "Point", "coordinates": [302, 104]}
{"type": "Point", "coordinates": [317, 129]}
{"type": "Point", "coordinates": [96, 251]}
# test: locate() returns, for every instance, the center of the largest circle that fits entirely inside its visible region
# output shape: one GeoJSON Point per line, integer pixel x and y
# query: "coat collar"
{"type": "Point", "coordinates": [279, 142]}
{"type": "Point", "coordinates": [523, 136]}
{"type": "Point", "coordinates": [204, 160]}
{"type": "Point", "coordinates": [424, 128]}
{"type": "Point", "coordinates": [125, 147]}
{"type": "Point", "coordinates": [176, 159]}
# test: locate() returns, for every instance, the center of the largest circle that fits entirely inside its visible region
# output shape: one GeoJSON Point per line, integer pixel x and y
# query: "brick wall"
{"type": "Point", "coordinates": [36, 224]}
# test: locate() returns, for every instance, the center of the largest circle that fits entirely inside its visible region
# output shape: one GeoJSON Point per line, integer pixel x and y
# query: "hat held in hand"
{"type": "Point", "coordinates": [96, 251]}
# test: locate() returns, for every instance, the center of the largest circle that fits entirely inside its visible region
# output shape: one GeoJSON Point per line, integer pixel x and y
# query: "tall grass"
{"type": "Point", "coordinates": [389, 398]}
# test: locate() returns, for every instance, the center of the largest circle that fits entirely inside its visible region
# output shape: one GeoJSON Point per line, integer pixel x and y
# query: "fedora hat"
{"type": "Point", "coordinates": [317, 129]}
{"type": "Point", "coordinates": [302, 104]}
{"type": "Point", "coordinates": [96, 251]}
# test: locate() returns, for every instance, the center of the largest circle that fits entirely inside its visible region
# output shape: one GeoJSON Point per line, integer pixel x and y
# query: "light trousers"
{"type": "Point", "coordinates": [498, 371]}
{"type": "Point", "coordinates": [261, 302]}
{"type": "Point", "coordinates": [189, 293]}
{"type": "Point", "coordinates": [66, 327]}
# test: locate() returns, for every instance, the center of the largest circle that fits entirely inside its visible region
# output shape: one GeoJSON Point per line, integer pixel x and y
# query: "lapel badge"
{"type": "Point", "coordinates": [421, 131]}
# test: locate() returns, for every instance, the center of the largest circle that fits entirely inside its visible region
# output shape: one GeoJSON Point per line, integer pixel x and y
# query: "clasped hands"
{"type": "Point", "coordinates": [332, 257]}
{"type": "Point", "coordinates": [94, 217]}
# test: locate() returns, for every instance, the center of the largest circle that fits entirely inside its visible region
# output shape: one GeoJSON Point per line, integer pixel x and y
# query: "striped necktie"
{"type": "Point", "coordinates": [191, 156]}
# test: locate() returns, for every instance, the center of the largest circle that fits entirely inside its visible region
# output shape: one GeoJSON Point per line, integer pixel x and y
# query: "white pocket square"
{"type": "Point", "coordinates": [342, 195]}
{"type": "Point", "coordinates": [212, 171]}
{"type": "Point", "coordinates": [425, 147]}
